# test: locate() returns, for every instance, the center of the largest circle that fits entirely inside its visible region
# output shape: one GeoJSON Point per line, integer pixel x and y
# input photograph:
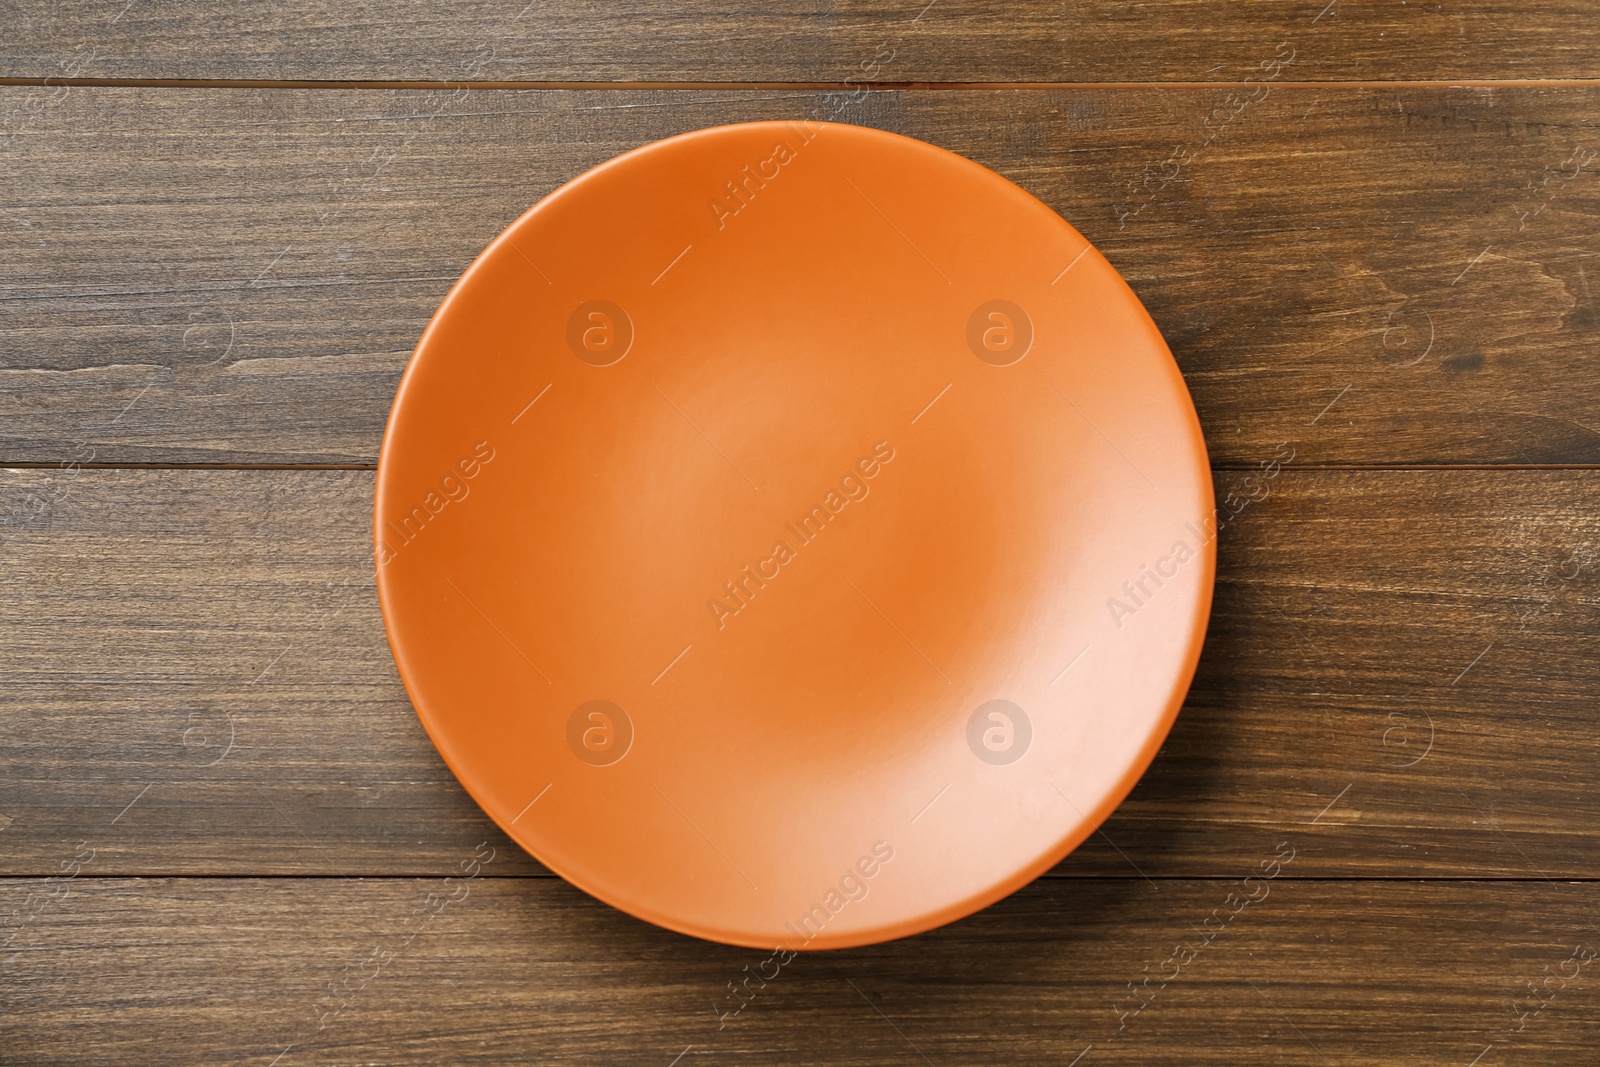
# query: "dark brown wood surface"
{"type": "Point", "coordinates": [533, 971]}
{"type": "Point", "coordinates": [805, 41]}
{"type": "Point", "coordinates": [206, 647]}
{"type": "Point", "coordinates": [1421, 259]}
{"type": "Point", "coordinates": [223, 833]}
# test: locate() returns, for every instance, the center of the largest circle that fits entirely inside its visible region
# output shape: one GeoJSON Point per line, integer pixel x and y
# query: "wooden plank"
{"type": "Point", "coordinates": [1401, 668]}
{"type": "Point", "coordinates": [531, 970]}
{"type": "Point", "coordinates": [799, 40]}
{"type": "Point", "coordinates": [1381, 275]}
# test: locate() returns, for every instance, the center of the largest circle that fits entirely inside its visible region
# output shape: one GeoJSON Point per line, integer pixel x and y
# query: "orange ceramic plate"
{"type": "Point", "coordinates": [794, 535]}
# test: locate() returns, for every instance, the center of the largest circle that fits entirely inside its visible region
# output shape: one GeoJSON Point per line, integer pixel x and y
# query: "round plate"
{"type": "Point", "coordinates": [794, 535]}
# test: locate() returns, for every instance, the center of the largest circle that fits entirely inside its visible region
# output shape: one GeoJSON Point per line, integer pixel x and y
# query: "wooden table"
{"type": "Point", "coordinates": [1369, 232]}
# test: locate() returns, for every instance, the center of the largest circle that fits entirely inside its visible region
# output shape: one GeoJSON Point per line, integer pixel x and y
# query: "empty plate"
{"type": "Point", "coordinates": [794, 535]}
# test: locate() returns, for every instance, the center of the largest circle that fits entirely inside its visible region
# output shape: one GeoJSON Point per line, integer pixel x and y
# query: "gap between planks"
{"type": "Point", "coordinates": [147, 876]}
{"type": "Point", "coordinates": [757, 86]}
{"type": "Point", "coordinates": [1224, 468]}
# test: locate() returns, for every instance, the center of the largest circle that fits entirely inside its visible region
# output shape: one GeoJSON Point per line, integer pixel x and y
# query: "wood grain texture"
{"type": "Point", "coordinates": [202, 735]}
{"type": "Point", "coordinates": [1401, 670]}
{"type": "Point", "coordinates": [1380, 275]}
{"type": "Point", "coordinates": [203, 971]}
{"type": "Point", "coordinates": [797, 40]}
